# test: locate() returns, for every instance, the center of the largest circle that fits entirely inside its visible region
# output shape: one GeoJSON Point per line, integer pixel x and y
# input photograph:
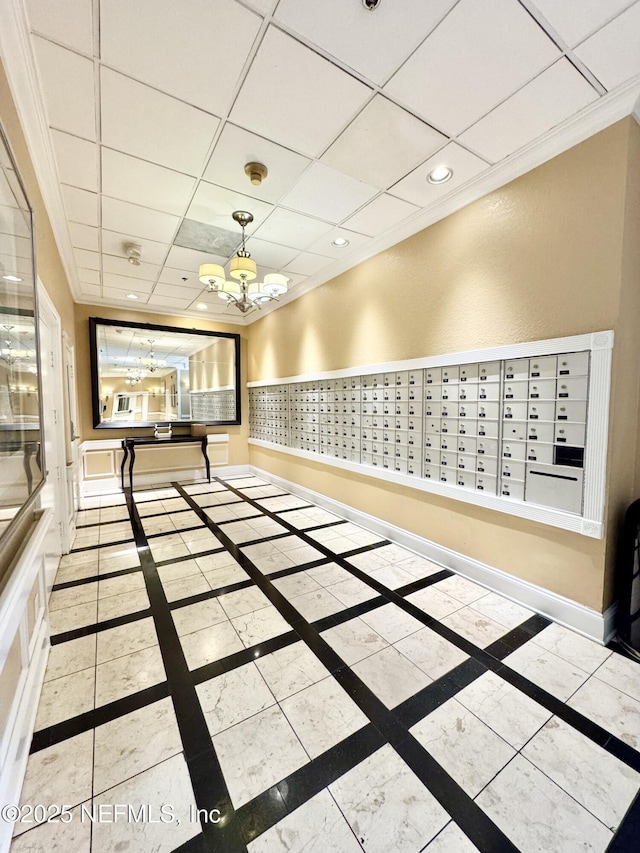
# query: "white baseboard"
{"type": "Point", "coordinates": [596, 626]}
{"type": "Point", "coordinates": [106, 485]}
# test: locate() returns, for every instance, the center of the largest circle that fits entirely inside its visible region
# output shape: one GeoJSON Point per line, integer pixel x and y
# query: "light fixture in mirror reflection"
{"type": "Point", "coordinates": [21, 456]}
{"type": "Point", "coordinates": [144, 374]}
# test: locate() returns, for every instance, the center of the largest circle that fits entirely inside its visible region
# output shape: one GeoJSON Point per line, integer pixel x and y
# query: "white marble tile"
{"type": "Point", "coordinates": [304, 554]}
{"type": "Point", "coordinates": [125, 639]}
{"type": "Point", "coordinates": [464, 590]}
{"type": "Point", "coordinates": [621, 673]}
{"type": "Point", "coordinates": [451, 840]}
{"type": "Point", "coordinates": [560, 824]}
{"type": "Point", "coordinates": [323, 715]}
{"type": "Point", "coordinates": [419, 567]}
{"type": "Point", "coordinates": [234, 696]}
{"type": "Point", "coordinates": [508, 711]}
{"type": "Point", "coordinates": [597, 780]}
{"type": "Point", "coordinates": [70, 618]}
{"type": "Point", "coordinates": [257, 753]}
{"type": "Point", "coordinates": [352, 592]}
{"type": "Point", "coordinates": [75, 835]}
{"type": "Point", "coordinates": [386, 805]}
{"type": "Point", "coordinates": [297, 584]}
{"type": "Point", "coordinates": [65, 697]}
{"type": "Point", "coordinates": [177, 571]}
{"type": "Point", "coordinates": [243, 601]}
{"type": "Point", "coordinates": [501, 610]}
{"type": "Point", "coordinates": [392, 577]}
{"type": "Point", "coordinates": [369, 561]}
{"type": "Point", "coordinates": [73, 656]}
{"type": "Point", "coordinates": [317, 605]}
{"type": "Point", "coordinates": [391, 622]}
{"type": "Point", "coordinates": [467, 749]}
{"type": "Point", "coordinates": [123, 604]}
{"type": "Point", "coordinates": [163, 552]}
{"type": "Point", "coordinates": [615, 711]}
{"type": "Point", "coordinates": [226, 576]}
{"type": "Point", "coordinates": [474, 626]}
{"type": "Point", "coordinates": [73, 595]}
{"type": "Point", "coordinates": [76, 573]}
{"type": "Point", "coordinates": [328, 574]}
{"type": "Point", "coordinates": [210, 644]}
{"type": "Point", "coordinates": [318, 826]}
{"type": "Point", "coordinates": [260, 625]}
{"type": "Point", "coordinates": [434, 602]}
{"type": "Point", "coordinates": [218, 560]}
{"type": "Point", "coordinates": [354, 640]}
{"type": "Point", "coordinates": [62, 773]}
{"type": "Point", "coordinates": [546, 670]}
{"type": "Point", "coordinates": [113, 558]}
{"type": "Point", "coordinates": [290, 670]}
{"type": "Point", "coordinates": [432, 653]}
{"type": "Point", "coordinates": [586, 654]}
{"type": "Point", "coordinates": [195, 617]}
{"type": "Point", "coordinates": [120, 584]}
{"type": "Point", "coordinates": [391, 676]}
{"type": "Point", "coordinates": [128, 674]}
{"type": "Point", "coordinates": [185, 588]}
{"type": "Point", "coordinates": [166, 783]}
{"type": "Point", "coordinates": [139, 740]}
{"type": "Point", "coordinates": [81, 558]}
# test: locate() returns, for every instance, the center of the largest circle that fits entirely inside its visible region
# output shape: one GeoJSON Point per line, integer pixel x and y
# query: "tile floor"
{"type": "Point", "coordinates": [233, 669]}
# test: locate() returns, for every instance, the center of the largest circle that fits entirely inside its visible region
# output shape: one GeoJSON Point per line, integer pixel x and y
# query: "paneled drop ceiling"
{"type": "Point", "coordinates": [149, 111]}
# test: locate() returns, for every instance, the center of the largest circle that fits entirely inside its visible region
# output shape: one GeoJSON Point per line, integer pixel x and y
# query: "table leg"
{"type": "Point", "coordinates": [206, 458]}
{"type": "Point", "coordinates": [28, 451]}
{"type": "Point", "coordinates": [125, 454]}
{"type": "Point", "coordinates": [133, 459]}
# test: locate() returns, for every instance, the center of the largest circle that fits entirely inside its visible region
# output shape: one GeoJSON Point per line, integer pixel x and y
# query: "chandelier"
{"type": "Point", "coordinates": [243, 291]}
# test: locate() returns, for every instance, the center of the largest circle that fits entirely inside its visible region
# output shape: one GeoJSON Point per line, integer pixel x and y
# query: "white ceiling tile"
{"type": "Point", "coordinates": [323, 245]}
{"type": "Point", "coordinates": [70, 22]}
{"type": "Point", "coordinates": [263, 7]}
{"type": "Point", "coordinates": [81, 205]}
{"type": "Point", "coordinates": [556, 94]}
{"type": "Point", "coordinates": [62, 72]}
{"type": "Point", "coordinates": [307, 264]}
{"type": "Point", "coordinates": [86, 259]}
{"type": "Point", "coordinates": [92, 290]}
{"type": "Point", "coordinates": [613, 53]}
{"type": "Point", "coordinates": [214, 205]}
{"type": "Point", "coordinates": [89, 276]}
{"type": "Point", "coordinates": [113, 243]}
{"type": "Point", "coordinates": [169, 301]}
{"type": "Point", "coordinates": [416, 189]}
{"type": "Point", "coordinates": [118, 293]}
{"type": "Point", "coordinates": [165, 130]}
{"type": "Point", "coordinates": [194, 50]}
{"type": "Point", "coordinates": [237, 147]}
{"type": "Point", "coordinates": [138, 221]}
{"type": "Point", "coordinates": [122, 267]}
{"type": "Point", "coordinates": [76, 160]}
{"type": "Point", "coordinates": [270, 254]}
{"type": "Point", "coordinates": [123, 282]}
{"type": "Point", "coordinates": [372, 43]}
{"type": "Point", "coordinates": [382, 213]}
{"type": "Point", "coordinates": [147, 184]}
{"type": "Point", "coordinates": [292, 229]}
{"type": "Point", "coordinates": [315, 99]}
{"type": "Point", "coordinates": [190, 259]}
{"type": "Point", "coordinates": [479, 55]}
{"type": "Point", "coordinates": [573, 20]}
{"type": "Point", "coordinates": [382, 144]}
{"type": "Point", "coordinates": [170, 277]}
{"type": "Point", "coordinates": [182, 292]}
{"type": "Point", "coordinates": [328, 194]}
{"type": "Point", "coordinates": [84, 237]}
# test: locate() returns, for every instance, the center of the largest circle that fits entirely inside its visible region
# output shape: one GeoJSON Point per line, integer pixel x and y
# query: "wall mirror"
{"type": "Point", "coordinates": [144, 375]}
{"type": "Point", "coordinates": [22, 468]}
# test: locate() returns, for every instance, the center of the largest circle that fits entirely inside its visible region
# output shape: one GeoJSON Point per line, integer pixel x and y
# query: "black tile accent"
{"type": "Point", "coordinates": [93, 579]}
{"type": "Point", "coordinates": [417, 707]}
{"type": "Point", "coordinates": [627, 837]}
{"type": "Point", "coordinates": [205, 596]}
{"type": "Point", "coordinates": [97, 627]}
{"type": "Point", "coordinates": [226, 664]}
{"type": "Point", "coordinates": [129, 540]}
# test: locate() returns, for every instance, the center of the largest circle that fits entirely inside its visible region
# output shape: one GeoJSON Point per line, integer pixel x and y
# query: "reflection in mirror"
{"type": "Point", "coordinates": [21, 462]}
{"type": "Point", "coordinates": [144, 375]}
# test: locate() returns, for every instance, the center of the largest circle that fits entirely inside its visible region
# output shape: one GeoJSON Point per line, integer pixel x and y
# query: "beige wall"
{"type": "Point", "coordinates": [238, 450]}
{"type": "Point", "coordinates": [539, 258]}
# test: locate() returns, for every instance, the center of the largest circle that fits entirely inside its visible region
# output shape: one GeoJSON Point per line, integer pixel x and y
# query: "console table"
{"type": "Point", "coordinates": [129, 450]}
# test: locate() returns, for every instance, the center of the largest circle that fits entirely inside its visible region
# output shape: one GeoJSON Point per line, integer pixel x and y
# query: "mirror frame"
{"type": "Point", "coordinates": [30, 502]}
{"type": "Point", "coordinates": [94, 322]}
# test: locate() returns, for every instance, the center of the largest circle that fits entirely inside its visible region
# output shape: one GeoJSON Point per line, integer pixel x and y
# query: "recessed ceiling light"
{"type": "Point", "coordinates": [11, 278]}
{"type": "Point", "coordinates": [132, 296]}
{"type": "Point", "coordinates": [340, 243]}
{"type": "Point", "coordinates": [201, 306]}
{"type": "Point", "coordinates": [440, 175]}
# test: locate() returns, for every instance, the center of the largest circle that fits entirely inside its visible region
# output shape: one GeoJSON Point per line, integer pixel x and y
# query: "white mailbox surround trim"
{"type": "Point", "coordinates": [591, 522]}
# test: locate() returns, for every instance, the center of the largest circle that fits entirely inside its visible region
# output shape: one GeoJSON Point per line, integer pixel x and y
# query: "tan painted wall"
{"type": "Point", "coordinates": [539, 258]}
{"type": "Point", "coordinates": [238, 449]}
